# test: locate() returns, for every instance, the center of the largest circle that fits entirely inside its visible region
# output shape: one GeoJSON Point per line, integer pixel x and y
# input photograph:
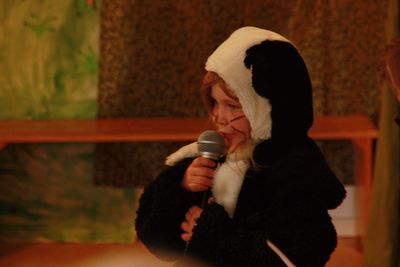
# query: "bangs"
{"type": "Point", "coordinates": [210, 79]}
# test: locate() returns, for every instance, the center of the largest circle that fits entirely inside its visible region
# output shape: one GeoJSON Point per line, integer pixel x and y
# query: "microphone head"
{"type": "Point", "coordinates": [211, 145]}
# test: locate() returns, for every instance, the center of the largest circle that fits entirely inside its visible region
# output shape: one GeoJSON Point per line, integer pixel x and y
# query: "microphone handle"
{"type": "Point", "coordinates": [204, 200]}
{"type": "Point", "coordinates": [207, 194]}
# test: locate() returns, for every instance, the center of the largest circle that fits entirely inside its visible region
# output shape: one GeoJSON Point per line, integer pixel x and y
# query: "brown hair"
{"type": "Point", "coordinates": [209, 80]}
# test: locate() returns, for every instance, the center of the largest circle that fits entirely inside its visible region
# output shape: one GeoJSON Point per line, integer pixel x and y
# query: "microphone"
{"type": "Point", "coordinates": [210, 145]}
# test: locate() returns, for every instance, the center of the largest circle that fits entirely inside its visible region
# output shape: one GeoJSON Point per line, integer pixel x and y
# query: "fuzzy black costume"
{"type": "Point", "coordinates": [283, 199]}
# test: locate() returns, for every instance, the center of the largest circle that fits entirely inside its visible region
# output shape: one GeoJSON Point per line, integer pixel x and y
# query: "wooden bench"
{"type": "Point", "coordinates": [358, 129]}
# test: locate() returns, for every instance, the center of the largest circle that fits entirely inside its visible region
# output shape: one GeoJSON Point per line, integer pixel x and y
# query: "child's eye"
{"type": "Point", "coordinates": [233, 107]}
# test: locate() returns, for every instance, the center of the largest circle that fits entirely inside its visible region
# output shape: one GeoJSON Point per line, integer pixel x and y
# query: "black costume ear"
{"type": "Point", "coordinates": [280, 75]}
{"type": "Point", "coordinates": [263, 68]}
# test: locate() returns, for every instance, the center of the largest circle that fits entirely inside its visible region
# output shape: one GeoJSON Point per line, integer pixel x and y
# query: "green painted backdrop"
{"type": "Point", "coordinates": [48, 69]}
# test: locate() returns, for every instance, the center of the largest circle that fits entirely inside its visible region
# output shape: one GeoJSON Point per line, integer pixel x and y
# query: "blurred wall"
{"type": "Point", "coordinates": [150, 62]}
{"type": "Point", "coordinates": [153, 52]}
{"type": "Point", "coordinates": [48, 70]}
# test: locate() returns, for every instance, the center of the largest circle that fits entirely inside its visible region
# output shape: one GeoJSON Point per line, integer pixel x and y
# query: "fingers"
{"type": "Point", "coordinates": [186, 236]}
{"type": "Point", "coordinates": [198, 176]}
{"type": "Point", "coordinates": [203, 162]}
{"type": "Point", "coordinates": [185, 227]}
{"type": "Point", "coordinates": [193, 214]}
{"type": "Point", "coordinates": [196, 188]}
{"type": "Point", "coordinates": [195, 211]}
{"type": "Point", "coordinates": [196, 184]}
{"type": "Point", "coordinates": [202, 171]}
{"type": "Point", "coordinates": [190, 222]}
{"type": "Point", "coordinates": [187, 231]}
{"type": "Point", "coordinates": [188, 217]}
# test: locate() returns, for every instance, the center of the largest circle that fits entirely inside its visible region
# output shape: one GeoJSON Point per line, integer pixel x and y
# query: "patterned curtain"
{"type": "Point", "coordinates": [152, 56]}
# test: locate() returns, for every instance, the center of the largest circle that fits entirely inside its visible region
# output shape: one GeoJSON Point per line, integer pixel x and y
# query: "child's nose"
{"type": "Point", "coordinates": [220, 116]}
{"type": "Point", "coordinates": [221, 119]}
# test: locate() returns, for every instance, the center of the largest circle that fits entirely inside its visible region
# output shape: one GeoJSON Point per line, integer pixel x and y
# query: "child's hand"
{"type": "Point", "coordinates": [190, 222]}
{"type": "Point", "coordinates": [198, 176]}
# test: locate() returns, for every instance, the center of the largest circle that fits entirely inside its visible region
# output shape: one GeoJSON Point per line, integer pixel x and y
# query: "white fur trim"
{"type": "Point", "coordinates": [187, 151]}
{"type": "Point", "coordinates": [228, 62]}
{"type": "Point", "coordinates": [227, 183]}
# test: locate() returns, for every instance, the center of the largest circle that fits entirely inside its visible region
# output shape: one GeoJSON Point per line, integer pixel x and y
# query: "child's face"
{"type": "Point", "coordinates": [228, 117]}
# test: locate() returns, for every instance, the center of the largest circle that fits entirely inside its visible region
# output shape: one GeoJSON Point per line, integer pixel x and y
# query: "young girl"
{"type": "Point", "coordinates": [272, 192]}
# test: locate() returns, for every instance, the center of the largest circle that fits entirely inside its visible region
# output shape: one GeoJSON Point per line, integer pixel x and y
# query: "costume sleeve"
{"type": "Point", "coordinates": [303, 232]}
{"type": "Point", "coordinates": [161, 211]}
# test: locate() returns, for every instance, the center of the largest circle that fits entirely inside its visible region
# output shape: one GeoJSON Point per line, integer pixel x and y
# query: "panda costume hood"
{"type": "Point", "coordinates": [251, 64]}
{"type": "Point", "coordinates": [271, 81]}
